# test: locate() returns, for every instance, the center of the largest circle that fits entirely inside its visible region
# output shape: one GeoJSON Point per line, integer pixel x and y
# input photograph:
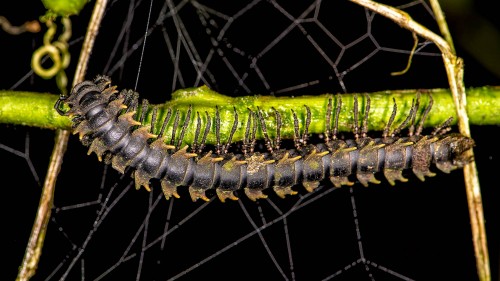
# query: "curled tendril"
{"type": "Point", "coordinates": [57, 51]}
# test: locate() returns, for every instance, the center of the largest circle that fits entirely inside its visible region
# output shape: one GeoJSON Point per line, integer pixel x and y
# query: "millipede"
{"type": "Point", "coordinates": [109, 123]}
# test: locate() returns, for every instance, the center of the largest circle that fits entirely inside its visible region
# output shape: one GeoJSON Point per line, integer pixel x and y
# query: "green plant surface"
{"type": "Point", "coordinates": [37, 110]}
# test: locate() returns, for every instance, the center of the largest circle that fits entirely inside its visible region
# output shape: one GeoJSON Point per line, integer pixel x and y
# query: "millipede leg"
{"type": "Point", "coordinates": [254, 131]}
{"type": "Point", "coordinates": [328, 120]}
{"type": "Point", "coordinates": [62, 98]}
{"type": "Point", "coordinates": [336, 117]}
{"type": "Point", "coordinates": [277, 142]}
{"type": "Point", "coordinates": [411, 130]}
{"type": "Point", "coordinates": [233, 130]}
{"type": "Point", "coordinates": [102, 81]}
{"type": "Point", "coordinates": [269, 143]}
{"type": "Point", "coordinates": [153, 119]}
{"type": "Point", "coordinates": [205, 133]}
{"type": "Point", "coordinates": [364, 128]}
{"type": "Point", "coordinates": [218, 149]}
{"type": "Point", "coordinates": [424, 116]}
{"type": "Point", "coordinates": [197, 132]}
{"type": "Point", "coordinates": [443, 128]}
{"type": "Point", "coordinates": [246, 138]}
{"type": "Point", "coordinates": [133, 108]}
{"type": "Point", "coordinates": [144, 110]}
{"type": "Point", "coordinates": [184, 126]}
{"type": "Point", "coordinates": [406, 121]}
{"type": "Point", "coordinates": [296, 135]}
{"type": "Point", "coordinates": [165, 122]}
{"type": "Point", "coordinates": [391, 120]}
{"type": "Point", "coordinates": [356, 125]}
{"type": "Point", "coordinates": [130, 99]}
{"type": "Point", "coordinates": [174, 127]}
{"type": "Point", "coordinates": [305, 135]}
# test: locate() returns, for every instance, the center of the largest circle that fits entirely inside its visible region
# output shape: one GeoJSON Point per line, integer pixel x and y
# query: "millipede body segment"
{"type": "Point", "coordinates": [106, 121]}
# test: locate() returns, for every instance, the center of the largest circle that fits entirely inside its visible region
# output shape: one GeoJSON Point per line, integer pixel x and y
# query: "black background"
{"type": "Point", "coordinates": [434, 215]}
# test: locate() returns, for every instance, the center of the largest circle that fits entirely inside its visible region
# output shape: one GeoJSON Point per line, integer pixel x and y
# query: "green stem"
{"type": "Point", "coordinates": [31, 109]}
{"type": "Point", "coordinates": [36, 109]}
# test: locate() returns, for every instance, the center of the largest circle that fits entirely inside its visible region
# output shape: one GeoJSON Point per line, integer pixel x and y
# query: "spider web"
{"type": "Point", "coordinates": [103, 229]}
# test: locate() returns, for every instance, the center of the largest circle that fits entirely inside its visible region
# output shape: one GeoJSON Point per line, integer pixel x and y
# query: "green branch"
{"type": "Point", "coordinates": [31, 109]}
{"type": "Point", "coordinates": [36, 109]}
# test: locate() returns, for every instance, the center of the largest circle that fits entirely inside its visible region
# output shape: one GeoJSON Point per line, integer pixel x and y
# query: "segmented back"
{"type": "Point", "coordinates": [106, 121]}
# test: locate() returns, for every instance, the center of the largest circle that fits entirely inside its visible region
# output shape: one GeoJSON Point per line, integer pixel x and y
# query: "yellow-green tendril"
{"type": "Point", "coordinates": [57, 51]}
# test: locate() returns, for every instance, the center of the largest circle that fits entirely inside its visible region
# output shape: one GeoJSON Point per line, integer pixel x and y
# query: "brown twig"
{"type": "Point", "coordinates": [454, 71]}
{"type": "Point", "coordinates": [35, 244]}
